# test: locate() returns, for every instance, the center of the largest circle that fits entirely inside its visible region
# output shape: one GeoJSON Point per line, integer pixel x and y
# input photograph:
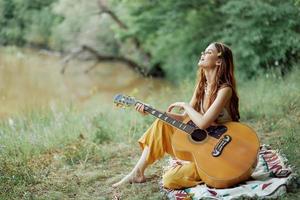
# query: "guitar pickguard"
{"type": "Point", "coordinates": [213, 131]}
{"type": "Point", "coordinates": [216, 131]}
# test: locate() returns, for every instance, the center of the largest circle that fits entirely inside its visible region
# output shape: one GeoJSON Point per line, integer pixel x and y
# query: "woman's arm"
{"type": "Point", "coordinates": [204, 121]}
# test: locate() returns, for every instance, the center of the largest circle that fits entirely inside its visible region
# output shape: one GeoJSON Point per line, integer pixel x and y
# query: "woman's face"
{"type": "Point", "coordinates": [209, 57]}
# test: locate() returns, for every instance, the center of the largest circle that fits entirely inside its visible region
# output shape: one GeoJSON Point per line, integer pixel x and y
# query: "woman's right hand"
{"type": "Point", "coordinates": [140, 108]}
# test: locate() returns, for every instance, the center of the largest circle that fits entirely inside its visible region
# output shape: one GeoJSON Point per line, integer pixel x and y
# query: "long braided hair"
{"type": "Point", "coordinates": [224, 77]}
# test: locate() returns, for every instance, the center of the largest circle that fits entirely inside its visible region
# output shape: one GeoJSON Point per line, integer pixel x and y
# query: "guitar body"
{"type": "Point", "coordinates": [227, 155]}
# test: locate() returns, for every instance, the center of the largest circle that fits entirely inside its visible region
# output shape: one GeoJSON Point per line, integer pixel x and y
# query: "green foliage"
{"type": "Point", "coordinates": [262, 34]}
{"type": "Point", "coordinates": [26, 22]}
{"type": "Point", "coordinates": [173, 31]}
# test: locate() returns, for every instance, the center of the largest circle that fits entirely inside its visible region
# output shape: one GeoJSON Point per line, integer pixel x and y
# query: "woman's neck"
{"type": "Point", "coordinates": [210, 75]}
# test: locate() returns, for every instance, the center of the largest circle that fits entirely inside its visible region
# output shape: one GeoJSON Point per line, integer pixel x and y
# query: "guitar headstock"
{"type": "Point", "coordinates": [123, 101]}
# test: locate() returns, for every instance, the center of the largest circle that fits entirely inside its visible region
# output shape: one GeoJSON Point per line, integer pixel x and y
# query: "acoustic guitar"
{"type": "Point", "coordinates": [225, 154]}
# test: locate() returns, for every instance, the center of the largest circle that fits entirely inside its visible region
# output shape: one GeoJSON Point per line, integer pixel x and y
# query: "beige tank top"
{"type": "Point", "coordinates": [223, 117]}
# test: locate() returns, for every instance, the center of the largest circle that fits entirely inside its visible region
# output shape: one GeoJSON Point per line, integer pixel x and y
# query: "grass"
{"type": "Point", "coordinates": [61, 153]}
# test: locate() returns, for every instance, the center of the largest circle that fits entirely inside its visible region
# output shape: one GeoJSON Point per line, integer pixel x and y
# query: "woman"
{"type": "Point", "coordinates": [214, 101]}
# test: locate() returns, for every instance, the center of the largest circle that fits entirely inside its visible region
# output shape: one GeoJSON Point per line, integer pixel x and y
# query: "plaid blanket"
{"type": "Point", "coordinates": [270, 179]}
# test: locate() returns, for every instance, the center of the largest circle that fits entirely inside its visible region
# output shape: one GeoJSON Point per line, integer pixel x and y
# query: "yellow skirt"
{"type": "Point", "coordinates": [158, 139]}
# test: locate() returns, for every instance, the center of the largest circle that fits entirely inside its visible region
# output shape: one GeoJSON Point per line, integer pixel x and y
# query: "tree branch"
{"type": "Point", "coordinates": [102, 58]}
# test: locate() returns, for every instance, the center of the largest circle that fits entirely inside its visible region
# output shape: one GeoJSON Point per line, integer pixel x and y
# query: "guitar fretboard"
{"type": "Point", "coordinates": [173, 122]}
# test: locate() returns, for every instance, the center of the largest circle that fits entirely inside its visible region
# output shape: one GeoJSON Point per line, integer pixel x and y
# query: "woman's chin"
{"type": "Point", "coordinates": [201, 65]}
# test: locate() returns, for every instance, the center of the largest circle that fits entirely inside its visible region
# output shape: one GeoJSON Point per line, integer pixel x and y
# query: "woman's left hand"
{"type": "Point", "coordinates": [181, 105]}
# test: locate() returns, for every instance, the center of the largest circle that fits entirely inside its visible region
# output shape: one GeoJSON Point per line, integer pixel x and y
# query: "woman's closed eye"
{"type": "Point", "coordinates": [205, 52]}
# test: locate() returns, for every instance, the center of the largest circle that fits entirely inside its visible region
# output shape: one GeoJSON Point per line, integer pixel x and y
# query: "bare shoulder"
{"type": "Point", "coordinates": [225, 91]}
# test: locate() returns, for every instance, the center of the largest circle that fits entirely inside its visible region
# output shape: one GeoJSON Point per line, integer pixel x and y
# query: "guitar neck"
{"type": "Point", "coordinates": [164, 117]}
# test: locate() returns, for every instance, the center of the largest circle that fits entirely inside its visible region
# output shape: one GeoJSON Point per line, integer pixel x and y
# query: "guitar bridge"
{"type": "Point", "coordinates": [220, 146]}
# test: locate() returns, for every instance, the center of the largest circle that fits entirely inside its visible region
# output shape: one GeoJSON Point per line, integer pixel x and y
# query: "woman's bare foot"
{"type": "Point", "coordinates": [133, 177]}
{"type": "Point", "coordinates": [137, 174]}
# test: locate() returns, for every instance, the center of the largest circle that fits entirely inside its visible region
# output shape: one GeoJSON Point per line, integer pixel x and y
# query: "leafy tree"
{"type": "Point", "coordinates": [26, 22]}
{"type": "Point", "coordinates": [264, 34]}
{"type": "Point", "coordinates": [175, 32]}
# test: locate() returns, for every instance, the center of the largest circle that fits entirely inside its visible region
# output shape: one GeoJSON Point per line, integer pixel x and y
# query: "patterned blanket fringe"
{"type": "Point", "coordinates": [293, 181]}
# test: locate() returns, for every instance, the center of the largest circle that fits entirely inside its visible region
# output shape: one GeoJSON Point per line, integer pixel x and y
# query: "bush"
{"type": "Point", "coordinates": [26, 22]}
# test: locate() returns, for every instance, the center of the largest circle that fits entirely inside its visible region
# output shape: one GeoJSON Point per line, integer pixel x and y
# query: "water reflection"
{"type": "Point", "coordinates": [30, 78]}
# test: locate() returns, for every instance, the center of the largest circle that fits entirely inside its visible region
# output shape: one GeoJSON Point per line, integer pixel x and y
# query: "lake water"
{"type": "Point", "coordinates": [30, 78]}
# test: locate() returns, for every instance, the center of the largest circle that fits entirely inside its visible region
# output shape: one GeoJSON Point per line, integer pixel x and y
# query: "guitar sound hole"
{"type": "Point", "coordinates": [199, 135]}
